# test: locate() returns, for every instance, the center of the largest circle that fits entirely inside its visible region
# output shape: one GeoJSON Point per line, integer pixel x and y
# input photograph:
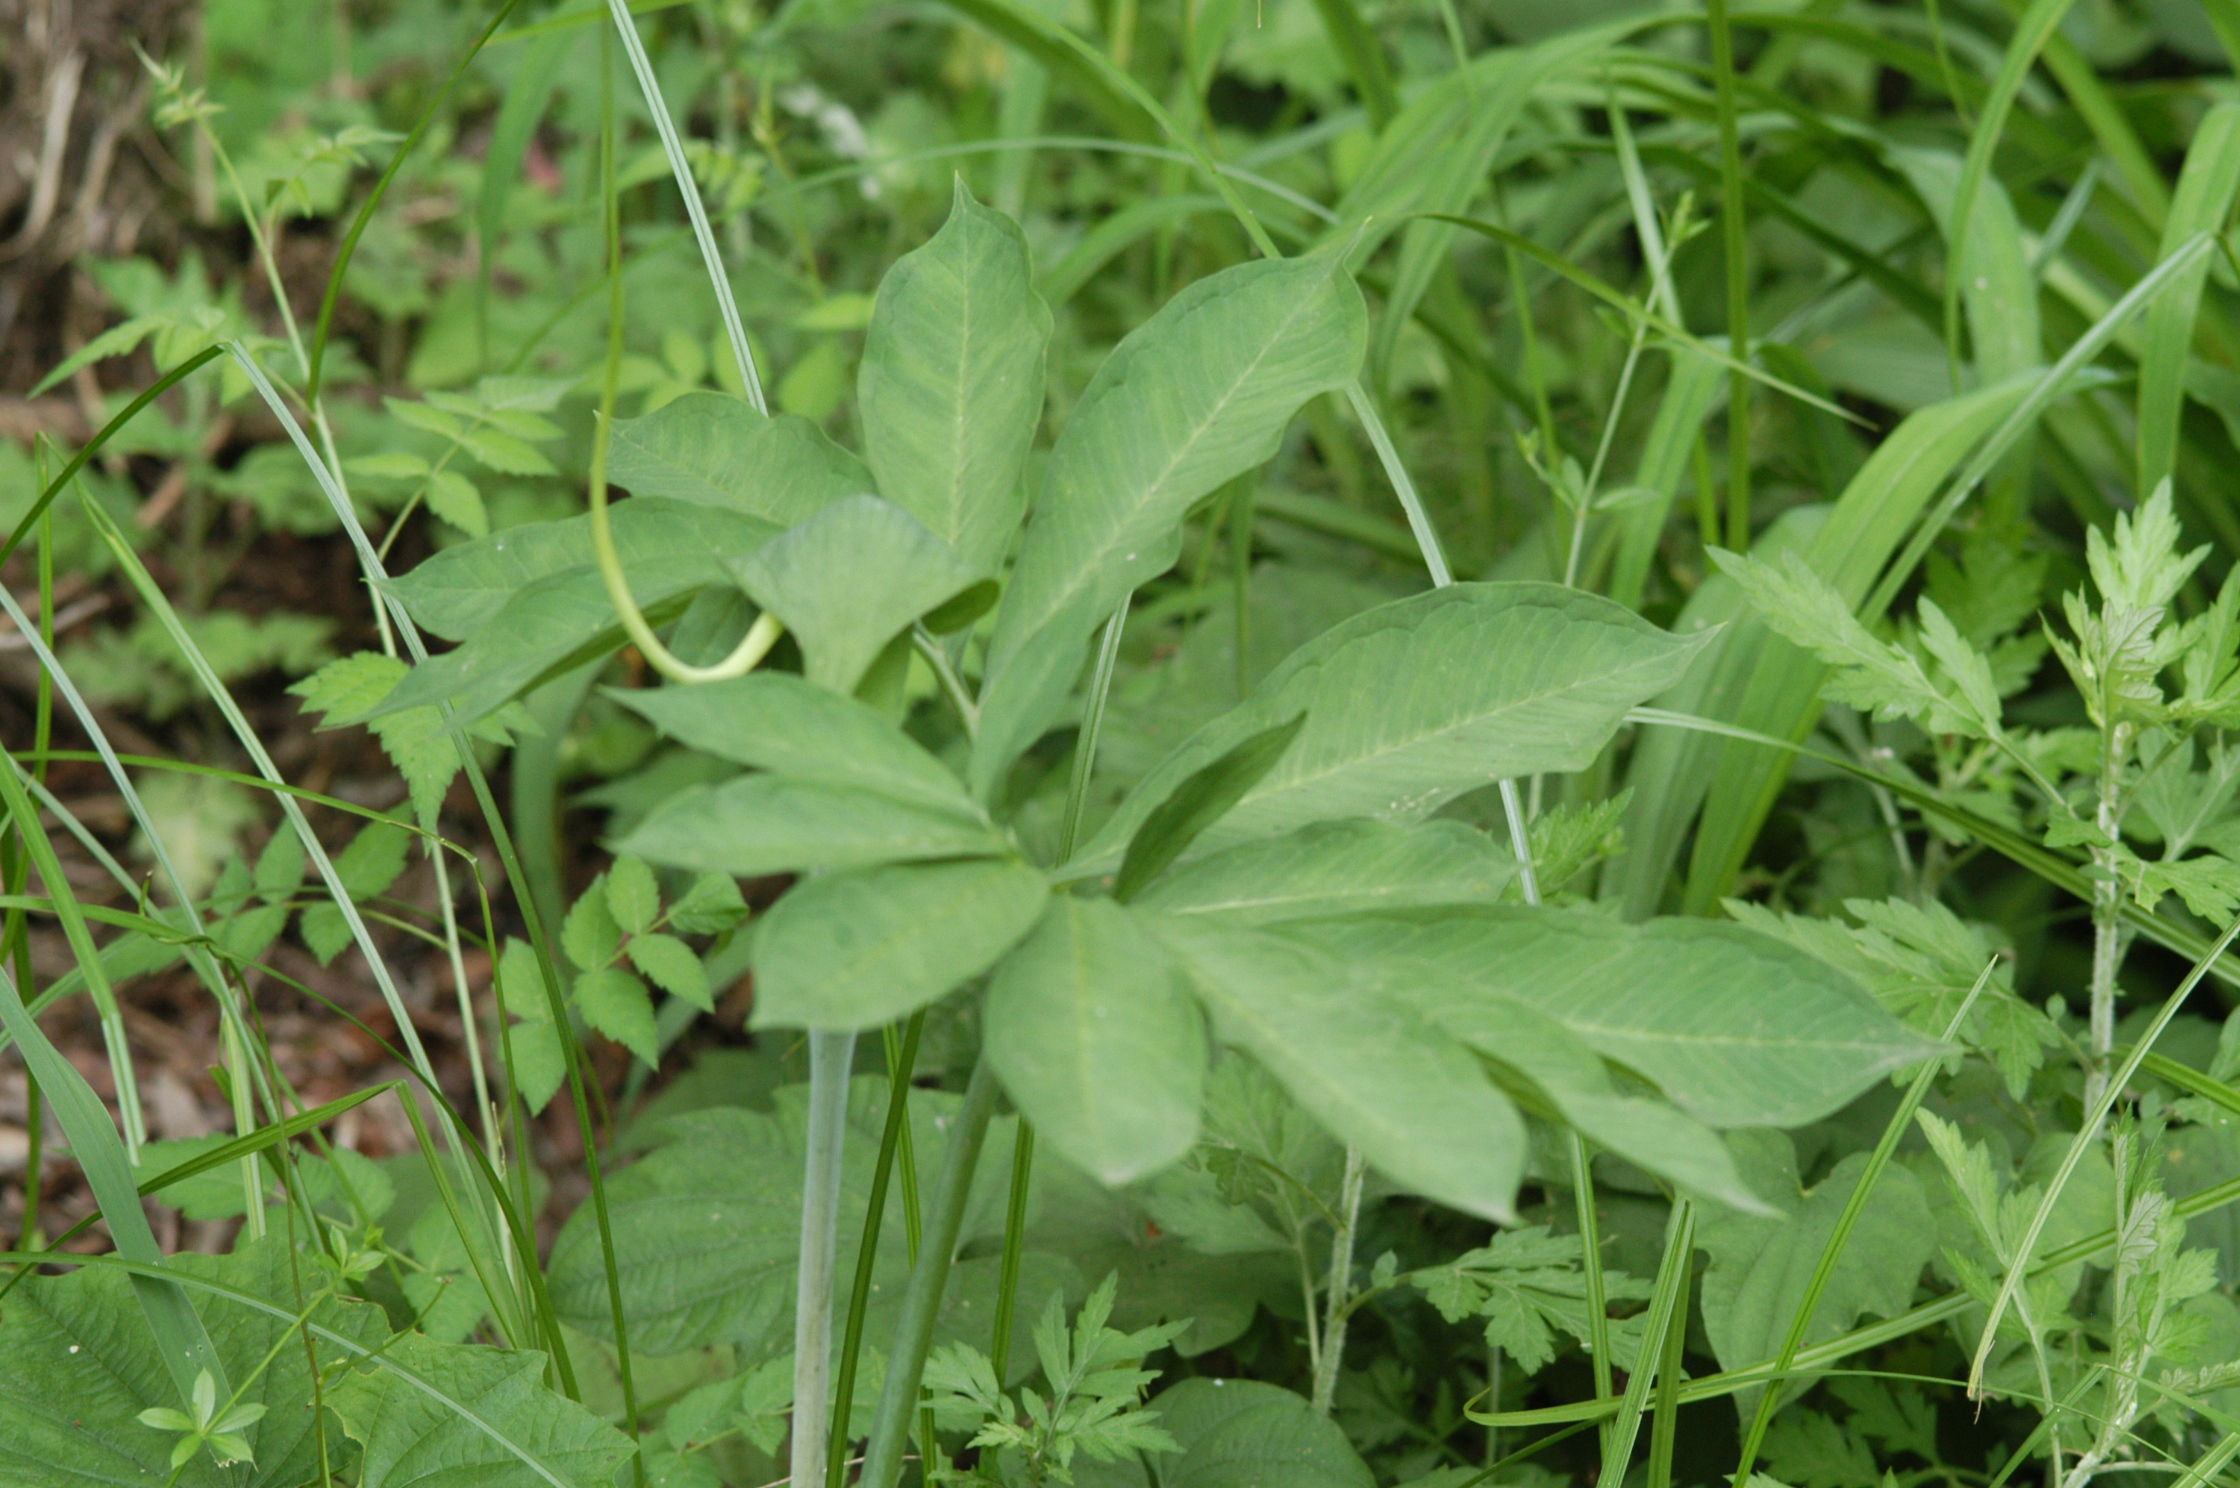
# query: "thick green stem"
{"type": "Point", "coordinates": [921, 1304]}
{"type": "Point", "coordinates": [830, 1056]}
{"type": "Point", "coordinates": [902, 1060]}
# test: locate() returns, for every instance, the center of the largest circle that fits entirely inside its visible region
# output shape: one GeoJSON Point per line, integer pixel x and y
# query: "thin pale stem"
{"type": "Point", "coordinates": [1341, 1282]}
{"type": "Point", "coordinates": [830, 1057]}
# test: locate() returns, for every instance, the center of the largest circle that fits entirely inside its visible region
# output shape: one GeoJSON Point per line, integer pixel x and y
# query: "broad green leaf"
{"type": "Point", "coordinates": [1736, 1028]}
{"type": "Point", "coordinates": [1411, 1098]}
{"type": "Point", "coordinates": [1093, 1035]}
{"type": "Point", "coordinates": [1198, 802]}
{"type": "Point", "coordinates": [707, 1226]}
{"type": "Point", "coordinates": [2203, 203]}
{"type": "Point", "coordinates": [1546, 1064]}
{"type": "Point", "coordinates": [1419, 700]}
{"type": "Point", "coordinates": [81, 1366]}
{"type": "Point", "coordinates": [458, 501]}
{"type": "Point", "coordinates": [1239, 1433]}
{"type": "Point", "coordinates": [854, 950]}
{"type": "Point", "coordinates": [777, 722]}
{"type": "Point", "coordinates": [759, 824]}
{"type": "Point", "coordinates": [1996, 282]}
{"type": "Point", "coordinates": [1335, 868]}
{"type": "Point", "coordinates": [617, 1004]}
{"type": "Point", "coordinates": [1198, 394]}
{"type": "Point", "coordinates": [633, 898]}
{"type": "Point", "coordinates": [669, 964]}
{"type": "Point", "coordinates": [1761, 1267]}
{"type": "Point", "coordinates": [952, 380]}
{"type": "Point", "coordinates": [664, 545]}
{"type": "Point", "coordinates": [847, 581]}
{"type": "Point", "coordinates": [715, 450]}
{"type": "Point", "coordinates": [447, 1415]}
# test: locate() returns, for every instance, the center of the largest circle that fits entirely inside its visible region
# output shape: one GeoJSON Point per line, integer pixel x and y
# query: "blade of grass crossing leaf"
{"type": "Point", "coordinates": [1357, 46]}
{"type": "Point", "coordinates": [179, 1335]}
{"type": "Point", "coordinates": [1900, 1122]}
{"type": "Point", "coordinates": [2203, 203]}
{"type": "Point", "coordinates": [690, 191]}
{"type": "Point", "coordinates": [54, 488]}
{"type": "Point", "coordinates": [533, 923]}
{"type": "Point", "coordinates": [2030, 36]}
{"type": "Point", "coordinates": [380, 1356]}
{"type": "Point", "coordinates": [1664, 1430]}
{"type": "Point", "coordinates": [1734, 235]}
{"type": "Point", "coordinates": [152, 595]}
{"type": "Point", "coordinates": [1872, 1335]}
{"type": "Point", "coordinates": [199, 958]}
{"type": "Point", "coordinates": [1667, 1304]}
{"type": "Point", "coordinates": [373, 200]}
{"type": "Point", "coordinates": [1633, 310]}
{"type": "Point", "coordinates": [2051, 385]}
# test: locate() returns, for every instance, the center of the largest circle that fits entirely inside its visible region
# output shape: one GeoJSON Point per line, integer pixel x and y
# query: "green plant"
{"type": "Point", "coordinates": [1395, 991]}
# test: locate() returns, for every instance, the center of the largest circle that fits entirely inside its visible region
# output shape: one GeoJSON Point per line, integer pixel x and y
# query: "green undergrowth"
{"type": "Point", "coordinates": [1429, 745]}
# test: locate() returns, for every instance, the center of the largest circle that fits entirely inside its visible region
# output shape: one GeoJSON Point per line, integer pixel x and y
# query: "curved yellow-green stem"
{"type": "Point", "coordinates": [744, 658]}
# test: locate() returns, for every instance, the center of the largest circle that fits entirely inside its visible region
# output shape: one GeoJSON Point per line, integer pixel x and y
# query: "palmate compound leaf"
{"type": "Point", "coordinates": [1412, 703]}
{"type": "Point", "coordinates": [80, 1368]}
{"type": "Point", "coordinates": [952, 380]}
{"type": "Point", "coordinates": [1100, 1046]}
{"type": "Point", "coordinates": [1735, 1028]}
{"type": "Point", "coordinates": [451, 1415]}
{"type": "Point", "coordinates": [1196, 395]}
{"type": "Point", "coordinates": [854, 950]}
{"type": "Point", "coordinates": [707, 1228]}
{"type": "Point", "coordinates": [1373, 1072]}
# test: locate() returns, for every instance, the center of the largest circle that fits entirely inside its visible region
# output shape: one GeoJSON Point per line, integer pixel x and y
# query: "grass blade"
{"type": "Point", "coordinates": [689, 189]}
{"type": "Point", "coordinates": [2206, 188]}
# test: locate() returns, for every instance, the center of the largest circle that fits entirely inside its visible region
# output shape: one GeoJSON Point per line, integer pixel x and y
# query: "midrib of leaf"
{"type": "Point", "coordinates": [1102, 548]}
{"type": "Point", "coordinates": [1412, 741]}
{"type": "Point", "coordinates": [958, 421]}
